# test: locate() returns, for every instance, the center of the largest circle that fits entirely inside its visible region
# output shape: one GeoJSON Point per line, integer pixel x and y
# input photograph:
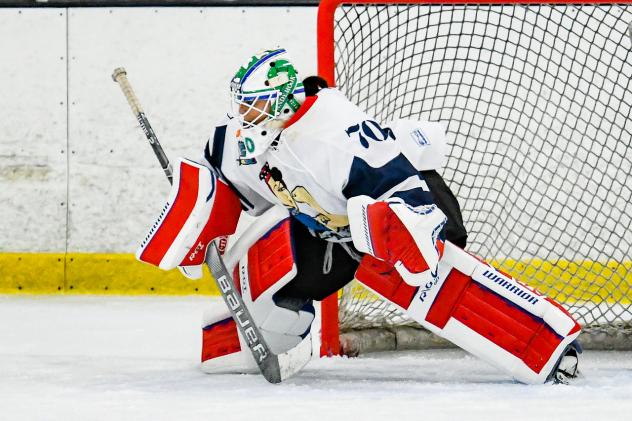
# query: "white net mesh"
{"type": "Point", "coordinates": [537, 100]}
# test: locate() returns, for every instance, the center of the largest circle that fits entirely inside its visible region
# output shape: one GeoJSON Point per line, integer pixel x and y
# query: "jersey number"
{"type": "Point", "coordinates": [369, 129]}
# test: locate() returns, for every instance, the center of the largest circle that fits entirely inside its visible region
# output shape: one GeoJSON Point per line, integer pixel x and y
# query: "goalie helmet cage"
{"type": "Point", "coordinates": [536, 99]}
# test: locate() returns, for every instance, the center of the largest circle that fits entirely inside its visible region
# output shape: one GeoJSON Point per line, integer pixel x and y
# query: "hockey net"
{"type": "Point", "coordinates": [537, 102]}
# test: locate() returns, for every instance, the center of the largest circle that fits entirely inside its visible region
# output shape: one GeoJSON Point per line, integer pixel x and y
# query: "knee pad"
{"type": "Point", "coordinates": [266, 264]}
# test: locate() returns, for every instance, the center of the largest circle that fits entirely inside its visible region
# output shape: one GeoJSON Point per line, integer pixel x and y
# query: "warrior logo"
{"type": "Point", "coordinates": [510, 286]}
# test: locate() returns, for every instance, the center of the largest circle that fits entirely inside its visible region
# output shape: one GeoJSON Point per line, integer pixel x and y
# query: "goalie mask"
{"type": "Point", "coordinates": [266, 91]}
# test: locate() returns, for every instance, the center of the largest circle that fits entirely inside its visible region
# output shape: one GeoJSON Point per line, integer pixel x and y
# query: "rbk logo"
{"type": "Point", "coordinates": [197, 249]}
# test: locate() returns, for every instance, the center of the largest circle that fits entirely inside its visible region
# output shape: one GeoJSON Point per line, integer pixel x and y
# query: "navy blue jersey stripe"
{"type": "Point", "coordinates": [207, 153]}
{"type": "Point", "coordinates": [374, 182]}
{"type": "Point", "coordinates": [415, 197]}
{"type": "Point", "coordinates": [215, 159]}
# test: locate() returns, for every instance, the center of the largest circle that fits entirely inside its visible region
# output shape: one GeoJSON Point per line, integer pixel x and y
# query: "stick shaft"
{"type": "Point", "coordinates": [120, 76]}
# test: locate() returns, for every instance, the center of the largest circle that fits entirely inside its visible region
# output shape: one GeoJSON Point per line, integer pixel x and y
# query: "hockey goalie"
{"type": "Point", "coordinates": [337, 196]}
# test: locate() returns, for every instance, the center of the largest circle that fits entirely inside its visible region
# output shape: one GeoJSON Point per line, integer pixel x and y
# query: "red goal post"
{"type": "Point", "coordinates": [592, 272]}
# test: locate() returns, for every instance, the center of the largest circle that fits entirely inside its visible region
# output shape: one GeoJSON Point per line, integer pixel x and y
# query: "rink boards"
{"type": "Point", "coordinates": [103, 273]}
{"type": "Point", "coordinates": [78, 181]}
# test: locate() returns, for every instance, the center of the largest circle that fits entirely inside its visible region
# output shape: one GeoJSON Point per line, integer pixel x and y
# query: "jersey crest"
{"type": "Point", "coordinates": [323, 221]}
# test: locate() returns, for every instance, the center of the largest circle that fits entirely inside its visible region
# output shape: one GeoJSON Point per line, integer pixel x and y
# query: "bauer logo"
{"type": "Point", "coordinates": [510, 286]}
{"type": "Point", "coordinates": [242, 318]}
{"type": "Point", "coordinates": [420, 138]}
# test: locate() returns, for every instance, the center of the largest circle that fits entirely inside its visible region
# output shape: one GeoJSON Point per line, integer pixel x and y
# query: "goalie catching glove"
{"type": "Point", "coordinates": [396, 233]}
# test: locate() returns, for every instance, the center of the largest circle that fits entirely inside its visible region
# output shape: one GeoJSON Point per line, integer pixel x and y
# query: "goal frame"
{"type": "Point", "coordinates": [330, 330]}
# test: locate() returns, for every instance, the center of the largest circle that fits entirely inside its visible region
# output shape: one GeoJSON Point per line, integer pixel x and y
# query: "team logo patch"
{"type": "Point", "coordinates": [323, 221]}
{"type": "Point", "coordinates": [420, 138]}
{"type": "Point", "coordinates": [246, 145]}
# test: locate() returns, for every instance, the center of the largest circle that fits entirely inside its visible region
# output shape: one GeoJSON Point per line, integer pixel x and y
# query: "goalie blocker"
{"type": "Point", "coordinates": [460, 297]}
{"type": "Point", "coordinates": [200, 208]}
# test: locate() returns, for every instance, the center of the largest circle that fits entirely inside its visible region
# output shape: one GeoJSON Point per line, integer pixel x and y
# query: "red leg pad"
{"type": "Point", "coordinates": [220, 339]}
{"type": "Point", "coordinates": [270, 258]}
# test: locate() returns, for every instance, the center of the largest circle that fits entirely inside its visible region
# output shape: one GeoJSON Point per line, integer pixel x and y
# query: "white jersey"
{"type": "Point", "coordinates": [328, 152]}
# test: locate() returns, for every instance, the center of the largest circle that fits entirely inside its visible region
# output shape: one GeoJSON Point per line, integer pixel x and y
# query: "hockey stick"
{"type": "Point", "coordinates": [274, 367]}
{"type": "Point", "coordinates": [120, 76]}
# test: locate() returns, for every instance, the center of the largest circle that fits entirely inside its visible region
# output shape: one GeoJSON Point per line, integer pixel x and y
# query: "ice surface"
{"type": "Point", "coordinates": [136, 358]}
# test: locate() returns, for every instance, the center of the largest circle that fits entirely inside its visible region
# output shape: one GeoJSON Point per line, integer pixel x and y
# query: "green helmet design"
{"type": "Point", "coordinates": [267, 89]}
